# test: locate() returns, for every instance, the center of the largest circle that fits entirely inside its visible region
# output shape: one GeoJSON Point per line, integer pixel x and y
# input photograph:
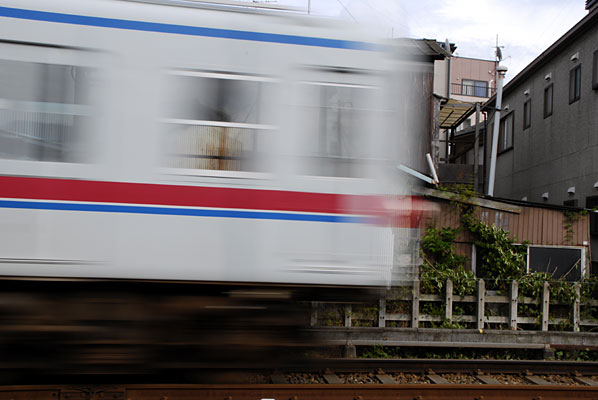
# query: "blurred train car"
{"type": "Point", "coordinates": [163, 158]}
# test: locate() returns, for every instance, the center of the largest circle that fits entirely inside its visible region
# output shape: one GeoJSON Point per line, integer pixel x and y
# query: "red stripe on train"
{"type": "Point", "coordinates": [405, 208]}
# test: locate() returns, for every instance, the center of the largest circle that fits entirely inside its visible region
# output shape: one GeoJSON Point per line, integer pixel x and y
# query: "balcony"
{"type": "Point", "coordinates": [477, 89]}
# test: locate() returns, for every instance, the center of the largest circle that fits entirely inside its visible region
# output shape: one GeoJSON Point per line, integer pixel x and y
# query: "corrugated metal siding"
{"type": "Point", "coordinates": [538, 226]}
{"type": "Point", "coordinates": [547, 227]}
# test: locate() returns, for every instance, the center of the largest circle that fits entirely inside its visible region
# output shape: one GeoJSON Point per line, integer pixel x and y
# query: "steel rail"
{"type": "Point", "coordinates": [311, 392]}
{"type": "Point", "coordinates": [451, 366]}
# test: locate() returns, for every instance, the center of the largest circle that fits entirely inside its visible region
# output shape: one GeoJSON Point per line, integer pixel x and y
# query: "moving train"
{"type": "Point", "coordinates": [200, 150]}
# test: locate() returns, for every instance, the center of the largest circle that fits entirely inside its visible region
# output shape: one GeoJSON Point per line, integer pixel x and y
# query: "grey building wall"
{"type": "Point", "coordinates": [559, 151]}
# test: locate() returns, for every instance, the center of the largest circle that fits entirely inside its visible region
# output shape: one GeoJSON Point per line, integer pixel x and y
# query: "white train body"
{"type": "Point", "coordinates": [147, 141]}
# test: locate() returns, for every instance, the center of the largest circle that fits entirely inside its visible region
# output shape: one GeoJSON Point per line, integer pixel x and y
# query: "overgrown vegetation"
{"type": "Point", "coordinates": [501, 260]}
{"type": "Point", "coordinates": [471, 354]}
{"type": "Point", "coordinates": [442, 263]}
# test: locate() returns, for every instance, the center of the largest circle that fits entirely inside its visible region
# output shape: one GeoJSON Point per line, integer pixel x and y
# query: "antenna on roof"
{"type": "Point", "coordinates": [498, 50]}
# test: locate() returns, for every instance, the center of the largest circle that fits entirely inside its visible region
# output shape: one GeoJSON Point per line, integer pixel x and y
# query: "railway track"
{"type": "Point", "coordinates": [361, 379]}
{"type": "Point", "coordinates": [298, 392]}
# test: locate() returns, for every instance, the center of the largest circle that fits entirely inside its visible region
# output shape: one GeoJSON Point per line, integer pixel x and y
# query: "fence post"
{"type": "Point", "coordinates": [448, 312]}
{"type": "Point", "coordinates": [513, 311]}
{"type": "Point", "coordinates": [545, 306]}
{"type": "Point", "coordinates": [382, 312]}
{"type": "Point", "coordinates": [481, 301]}
{"type": "Point", "coordinates": [314, 314]}
{"type": "Point", "coordinates": [415, 305]}
{"type": "Point", "coordinates": [577, 308]}
{"type": "Point", "coordinates": [348, 315]}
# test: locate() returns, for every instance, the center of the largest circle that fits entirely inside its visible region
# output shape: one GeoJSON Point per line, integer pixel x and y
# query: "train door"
{"type": "Point", "coordinates": [332, 150]}
{"type": "Point", "coordinates": [216, 132]}
{"type": "Point", "coordinates": [50, 100]}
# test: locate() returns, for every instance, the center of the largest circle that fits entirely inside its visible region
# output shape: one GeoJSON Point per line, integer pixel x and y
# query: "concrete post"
{"type": "Point", "coordinates": [481, 303]}
{"type": "Point", "coordinates": [448, 312]}
{"type": "Point", "coordinates": [577, 308]}
{"type": "Point", "coordinates": [415, 305]}
{"type": "Point", "coordinates": [348, 310]}
{"type": "Point", "coordinates": [514, 303]}
{"type": "Point", "coordinates": [545, 306]}
{"type": "Point", "coordinates": [382, 312]}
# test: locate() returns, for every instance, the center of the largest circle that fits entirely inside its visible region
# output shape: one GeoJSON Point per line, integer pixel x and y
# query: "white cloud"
{"type": "Point", "coordinates": [524, 27]}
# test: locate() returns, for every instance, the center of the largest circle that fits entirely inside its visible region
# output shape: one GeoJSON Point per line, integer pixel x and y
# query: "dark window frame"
{"type": "Point", "coordinates": [474, 89]}
{"type": "Point", "coordinates": [575, 84]}
{"type": "Point", "coordinates": [572, 271]}
{"type": "Point", "coordinates": [527, 114]}
{"type": "Point", "coordinates": [501, 147]}
{"type": "Point", "coordinates": [592, 202]}
{"type": "Point", "coordinates": [595, 71]}
{"type": "Point", "coordinates": [548, 89]}
{"type": "Point", "coordinates": [570, 203]}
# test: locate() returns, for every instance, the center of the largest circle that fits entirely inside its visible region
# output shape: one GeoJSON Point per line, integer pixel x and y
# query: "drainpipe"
{"type": "Point", "coordinates": [501, 70]}
{"type": "Point", "coordinates": [476, 141]}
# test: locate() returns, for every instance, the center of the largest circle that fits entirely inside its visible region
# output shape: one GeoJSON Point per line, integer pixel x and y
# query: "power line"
{"type": "Point", "coordinates": [348, 12]}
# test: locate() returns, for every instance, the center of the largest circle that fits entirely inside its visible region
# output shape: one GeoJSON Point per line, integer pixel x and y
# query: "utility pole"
{"type": "Point", "coordinates": [501, 70]}
{"type": "Point", "coordinates": [476, 141]}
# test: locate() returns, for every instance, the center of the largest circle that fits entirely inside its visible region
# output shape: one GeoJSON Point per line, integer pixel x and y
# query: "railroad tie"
{"type": "Point", "coordinates": [385, 379]}
{"type": "Point", "coordinates": [485, 379]}
{"type": "Point", "coordinates": [536, 380]}
{"type": "Point", "coordinates": [584, 380]}
{"type": "Point", "coordinates": [331, 378]}
{"type": "Point", "coordinates": [437, 379]}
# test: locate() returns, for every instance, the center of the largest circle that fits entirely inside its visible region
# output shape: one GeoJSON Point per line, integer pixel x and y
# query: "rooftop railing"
{"type": "Point", "coordinates": [472, 90]}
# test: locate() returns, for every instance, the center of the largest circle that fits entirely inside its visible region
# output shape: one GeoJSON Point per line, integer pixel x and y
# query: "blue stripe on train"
{"type": "Point", "coordinates": [129, 209]}
{"type": "Point", "coordinates": [183, 29]}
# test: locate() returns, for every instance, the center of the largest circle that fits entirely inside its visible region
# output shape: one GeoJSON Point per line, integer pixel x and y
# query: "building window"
{"type": "Point", "coordinates": [591, 203]}
{"type": "Point", "coordinates": [474, 88]}
{"type": "Point", "coordinates": [527, 114]}
{"type": "Point", "coordinates": [565, 263]}
{"type": "Point", "coordinates": [595, 71]}
{"type": "Point", "coordinates": [570, 203]}
{"type": "Point", "coordinates": [505, 136]}
{"type": "Point", "coordinates": [574, 84]}
{"type": "Point", "coordinates": [548, 101]}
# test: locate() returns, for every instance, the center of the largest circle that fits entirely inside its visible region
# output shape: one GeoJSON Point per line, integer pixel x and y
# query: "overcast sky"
{"type": "Point", "coordinates": [524, 27]}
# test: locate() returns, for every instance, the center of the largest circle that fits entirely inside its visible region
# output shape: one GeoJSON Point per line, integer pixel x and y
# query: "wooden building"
{"type": "Point", "coordinates": [558, 237]}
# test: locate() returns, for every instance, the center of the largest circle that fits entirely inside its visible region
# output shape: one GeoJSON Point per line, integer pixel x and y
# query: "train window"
{"type": "Point", "coordinates": [333, 118]}
{"type": "Point", "coordinates": [44, 110]}
{"type": "Point", "coordinates": [216, 121]}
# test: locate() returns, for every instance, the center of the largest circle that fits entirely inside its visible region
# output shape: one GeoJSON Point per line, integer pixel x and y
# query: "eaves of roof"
{"type": "Point", "coordinates": [587, 22]}
{"type": "Point", "coordinates": [453, 112]}
{"type": "Point", "coordinates": [427, 50]}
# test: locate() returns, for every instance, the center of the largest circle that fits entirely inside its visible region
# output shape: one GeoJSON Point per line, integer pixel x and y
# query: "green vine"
{"type": "Point", "coordinates": [442, 263]}
{"type": "Point", "coordinates": [503, 260]}
{"type": "Point", "coordinates": [571, 217]}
